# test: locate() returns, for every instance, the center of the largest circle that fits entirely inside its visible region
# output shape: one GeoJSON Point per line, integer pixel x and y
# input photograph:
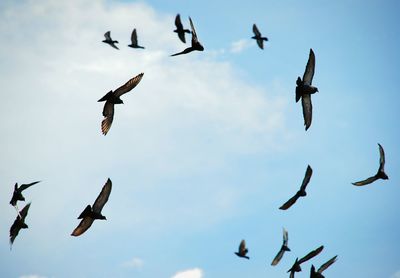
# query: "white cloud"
{"type": "Point", "coordinates": [396, 275]}
{"type": "Point", "coordinates": [134, 263]}
{"type": "Point", "coordinates": [32, 276]}
{"type": "Point", "coordinates": [190, 273]}
{"type": "Point", "coordinates": [240, 45]}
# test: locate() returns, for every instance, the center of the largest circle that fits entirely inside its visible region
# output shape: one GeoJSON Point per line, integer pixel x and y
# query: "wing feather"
{"type": "Point", "coordinates": [132, 83]}
{"type": "Point", "coordinates": [307, 178]}
{"type": "Point", "coordinates": [194, 35]}
{"type": "Point", "coordinates": [307, 109]}
{"type": "Point", "coordinates": [83, 226]}
{"type": "Point", "coordinates": [309, 72]}
{"type": "Point", "coordinates": [256, 31]}
{"type": "Point", "coordinates": [381, 158]}
{"type": "Point", "coordinates": [327, 264]}
{"type": "Point", "coordinates": [290, 202]}
{"type": "Point", "coordinates": [108, 113]}
{"type": "Point", "coordinates": [107, 35]}
{"type": "Point", "coordinates": [103, 197]}
{"type": "Point", "coordinates": [366, 181]}
{"type": "Point", "coordinates": [311, 255]}
{"type": "Point", "coordinates": [134, 39]}
{"type": "Point", "coordinates": [25, 186]}
{"type": "Point", "coordinates": [178, 22]}
{"type": "Point", "coordinates": [278, 257]}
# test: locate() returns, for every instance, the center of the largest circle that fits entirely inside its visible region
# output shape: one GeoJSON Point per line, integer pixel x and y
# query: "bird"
{"type": "Point", "coordinates": [242, 250]}
{"type": "Point", "coordinates": [19, 223]}
{"type": "Point", "coordinates": [91, 213]}
{"type": "Point", "coordinates": [179, 29]}
{"type": "Point", "coordinates": [257, 36]}
{"type": "Point", "coordinates": [302, 190]}
{"type": "Point", "coordinates": [318, 274]}
{"type": "Point", "coordinates": [196, 45]}
{"type": "Point", "coordinates": [296, 266]}
{"type": "Point", "coordinates": [17, 194]}
{"type": "Point", "coordinates": [134, 40]}
{"type": "Point", "coordinates": [381, 171]}
{"type": "Point", "coordinates": [113, 97]}
{"type": "Point", "coordinates": [109, 40]}
{"type": "Point", "coordinates": [283, 249]}
{"type": "Point", "coordinates": [304, 89]}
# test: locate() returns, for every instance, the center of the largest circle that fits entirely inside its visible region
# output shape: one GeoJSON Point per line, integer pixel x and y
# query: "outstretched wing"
{"type": "Point", "coordinates": [278, 257]}
{"type": "Point", "coordinates": [260, 43]}
{"type": "Point", "coordinates": [194, 35]}
{"type": "Point", "coordinates": [128, 85]}
{"type": "Point", "coordinates": [327, 264]}
{"type": "Point", "coordinates": [290, 202]}
{"type": "Point", "coordinates": [311, 255]}
{"type": "Point", "coordinates": [24, 211]}
{"type": "Point", "coordinates": [178, 22]}
{"type": "Point", "coordinates": [366, 181]}
{"type": "Point", "coordinates": [83, 226]}
{"type": "Point", "coordinates": [381, 158]}
{"type": "Point", "coordinates": [307, 109]}
{"type": "Point", "coordinates": [307, 178]}
{"type": "Point", "coordinates": [25, 186]}
{"type": "Point", "coordinates": [309, 72]}
{"type": "Point", "coordinates": [134, 37]}
{"type": "Point", "coordinates": [256, 32]}
{"type": "Point", "coordinates": [107, 35]}
{"type": "Point", "coordinates": [108, 113]}
{"type": "Point", "coordinates": [285, 237]}
{"type": "Point", "coordinates": [103, 197]}
{"type": "Point", "coordinates": [242, 247]}
{"type": "Point", "coordinates": [16, 226]}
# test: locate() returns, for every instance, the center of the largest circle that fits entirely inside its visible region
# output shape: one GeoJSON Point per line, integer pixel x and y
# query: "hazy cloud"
{"type": "Point", "coordinates": [396, 275]}
{"type": "Point", "coordinates": [240, 45]}
{"type": "Point", "coordinates": [190, 273]}
{"type": "Point", "coordinates": [134, 263]}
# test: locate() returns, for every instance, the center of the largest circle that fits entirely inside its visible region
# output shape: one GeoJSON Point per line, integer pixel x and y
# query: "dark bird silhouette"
{"type": "Point", "coordinates": [257, 36]}
{"type": "Point", "coordinates": [92, 213]}
{"type": "Point", "coordinates": [196, 45]}
{"type": "Point", "coordinates": [296, 266]}
{"type": "Point", "coordinates": [112, 98]}
{"type": "Point", "coordinates": [318, 274]}
{"type": "Point", "coordinates": [109, 40]}
{"type": "Point", "coordinates": [179, 29]}
{"type": "Point", "coordinates": [134, 40]}
{"type": "Point", "coordinates": [283, 249]}
{"type": "Point", "coordinates": [304, 89]}
{"type": "Point", "coordinates": [19, 224]}
{"type": "Point", "coordinates": [17, 194]}
{"type": "Point", "coordinates": [381, 171]}
{"type": "Point", "coordinates": [302, 190]}
{"type": "Point", "coordinates": [242, 250]}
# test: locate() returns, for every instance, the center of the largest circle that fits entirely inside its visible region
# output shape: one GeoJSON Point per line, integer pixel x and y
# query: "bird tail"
{"type": "Point", "coordinates": [106, 97]}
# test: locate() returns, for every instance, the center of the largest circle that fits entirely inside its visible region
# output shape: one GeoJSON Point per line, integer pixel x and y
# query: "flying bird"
{"type": "Point", "coordinates": [109, 40]}
{"type": "Point", "coordinates": [318, 274]}
{"type": "Point", "coordinates": [179, 29]}
{"type": "Point", "coordinates": [112, 98]}
{"type": "Point", "coordinates": [92, 213]}
{"type": "Point", "coordinates": [304, 89]}
{"type": "Point", "coordinates": [302, 190]}
{"type": "Point", "coordinates": [19, 224]}
{"type": "Point", "coordinates": [296, 266]}
{"type": "Point", "coordinates": [134, 40]}
{"type": "Point", "coordinates": [242, 250]}
{"type": "Point", "coordinates": [283, 249]}
{"type": "Point", "coordinates": [257, 36]}
{"type": "Point", "coordinates": [17, 194]}
{"type": "Point", "coordinates": [196, 45]}
{"type": "Point", "coordinates": [381, 171]}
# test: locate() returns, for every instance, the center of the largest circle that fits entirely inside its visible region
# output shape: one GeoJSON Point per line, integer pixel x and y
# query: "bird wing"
{"type": "Point", "coordinates": [278, 257]}
{"type": "Point", "coordinates": [128, 85]}
{"type": "Point", "coordinates": [327, 264]}
{"type": "Point", "coordinates": [311, 255]}
{"type": "Point", "coordinates": [178, 22]}
{"type": "Point", "coordinates": [366, 181]}
{"type": "Point", "coordinates": [260, 43]}
{"type": "Point", "coordinates": [307, 109]}
{"type": "Point", "coordinates": [194, 35]}
{"type": "Point", "coordinates": [103, 197]}
{"type": "Point", "coordinates": [134, 39]}
{"type": "Point", "coordinates": [256, 32]}
{"type": "Point", "coordinates": [309, 72]}
{"type": "Point", "coordinates": [83, 226]}
{"type": "Point", "coordinates": [25, 186]}
{"type": "Point", "coordinates": [291, 274]}
{"type": "Point", "coordinates": [290, 202]}
{"type": "Point", "coordinates": [108, 113]}
{"type": "Point", "coordinates": [285, 237]}
{"type": "Point", "coordinates": [24, 211]}
{"type": "Point", "coordinates": [242, 247]}
{"type": "Point", "coordinates": [307, 178]}
{"type": "Point", "coordinates": [107, 35]}
{"type": "Point", "coordinates": [381, 158]}
{"type": "Point", "coordinates": [113, 45]}
{"type": "Point", "coordinates": [16, 226]}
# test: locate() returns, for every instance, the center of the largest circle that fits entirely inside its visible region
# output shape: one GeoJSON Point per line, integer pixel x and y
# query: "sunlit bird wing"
{"type": "Point", "coordinates": [108, 113]}
{"type": "Point", "coordinates": [103, 197]}
{"type": "Point", "coordinates": [381, 158]}
{"type": "Point", "coordinates": [85, 224]}
{"type": "Point", "coordinates": [307, 109]}
{"type": "Point", "coordinates": [327, 264]}
{"type": "Point", "coordinates": [366, 181]}
{"type": "Point", "coordinates": [132, 83]}
{"type": "Point", "coordinates": [311, 255]}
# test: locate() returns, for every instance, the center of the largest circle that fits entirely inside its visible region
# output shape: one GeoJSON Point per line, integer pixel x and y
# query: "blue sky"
{"type": "Point", "coordinates": [208, 146]}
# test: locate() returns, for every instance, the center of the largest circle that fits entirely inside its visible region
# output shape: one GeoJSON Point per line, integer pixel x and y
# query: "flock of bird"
{"type": "Point", "coordinates": [304, 90]}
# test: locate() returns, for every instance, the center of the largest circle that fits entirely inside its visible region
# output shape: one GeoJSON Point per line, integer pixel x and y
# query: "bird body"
{"type": "Point", "coordinates": [381, 170]}
{"type": "Point", "coordinates": [296, 266]}
{"type": "Point", "coordinates": [109, 40]}
{"type": "Point", "coordinates": [112, 98]}
{"type": "Point", "coordinates": [318, 274]}
{"type": "Point", "coordinates": [134, 40]}
{"type": "Point", "coordinates": [17, 194]}
{"type": "Point", "coordinates": [179, 29]}
{"type": "Point", "coordinates": [19, 223]}
{"type": "Point", "coordinates": [196, 45]}
{"type": "Point", "coordinates": [304, 89]}
{"type": "Point", "coordinates": [91, 213]}
{"type": "Point", "coordinates": [242, 250]}
{"type": "Point", "coordinates": [258, 37]}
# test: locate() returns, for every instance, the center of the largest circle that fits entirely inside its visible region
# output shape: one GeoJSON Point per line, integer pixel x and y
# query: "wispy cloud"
{"type": "Point", "coordinates": [396, 275]}
{"type": "Point", "coordinates": [241, 45]}
{"type": "Point", "coordinates": [134, 263]}
{"type": "Point", "coordinates": [190, 273]}
{"type": "Point", "coordinates": [32, 276]}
